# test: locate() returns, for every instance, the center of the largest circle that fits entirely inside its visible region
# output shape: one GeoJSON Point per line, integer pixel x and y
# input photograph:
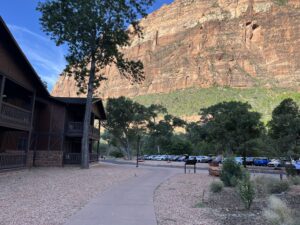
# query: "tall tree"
{"type": "Point", "coordinates": [94, 31]}
{"type": "Point", "coordinates": [232, 125]}
{"type": "Point", "coordinates": [284, 128]}
{"type": "Point", "coordinates": [126, 122]}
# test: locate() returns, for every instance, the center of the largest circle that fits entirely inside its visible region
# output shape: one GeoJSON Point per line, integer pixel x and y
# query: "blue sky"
{"type": "Point", "coordinates": [23, 21]}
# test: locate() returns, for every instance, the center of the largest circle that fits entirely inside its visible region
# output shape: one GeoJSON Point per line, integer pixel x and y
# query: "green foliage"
{"type": "Point", "coordinates": [117, 154]}
{"type": "Point", "coordinates": [200, 205]}
{"type": "Point", "coordinates": [231, 173]}
{"type": "Point", "coordinates": [188, 102]}
{"type": "Point", "coordinates": [246, 190]}
{"type": "Point", "coordinates": [290, 170]}
{"type": "Point", "coordinates": [284, 128]}
{"type": "Point", "coordinates": [216, 186]}
{"type": "Point", "coordinates": [295, 180]}
{"type": "Point", "coordinates": [232, 125]}
{"type": "Point", "coordinates": [281, 2]}
{"type": "Point", "coordinates": [275, 186]}
{"type": "Point", "coordinates": [126, 122]}
{"type": "Point", "coordinates": [179, 147]}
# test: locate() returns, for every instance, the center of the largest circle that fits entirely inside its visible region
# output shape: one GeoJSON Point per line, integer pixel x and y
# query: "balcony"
{"type": "Point", "coordinates": [75, 129]}
{"type": "Point", "coordinates": [15, 160]}
{"type": "Point", "coordinates": [15, 117]}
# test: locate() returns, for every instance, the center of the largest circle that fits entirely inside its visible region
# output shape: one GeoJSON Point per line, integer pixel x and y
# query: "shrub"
{"type": "Point", "coordinates": [290, 170]}
{"type": "Point", "coordinates": [216, 186]}
{"type": "Point", "coordinates": [246, 191]}
{"type": "Point", "coordinates": [277, 212]}
{"type": "Point", "coordinates": [116, 154]}
{"type": "Point", "coordinates": [277, 186]}
{"type": "Point", "coordinates": [231, 173]}
{"type": "Point", "coordinates": [265, 185]}
{"type": "Point", "coordinates": [294, 180]}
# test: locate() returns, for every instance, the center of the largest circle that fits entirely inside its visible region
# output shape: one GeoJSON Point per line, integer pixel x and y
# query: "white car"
{"type": "Point", "coordinates": [274, 163]}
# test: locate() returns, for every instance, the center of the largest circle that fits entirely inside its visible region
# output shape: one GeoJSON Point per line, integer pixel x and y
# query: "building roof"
{"type": "Point", "coordinates": [7, 37]}
{"type": "Point", "coordinates": [82, 101]}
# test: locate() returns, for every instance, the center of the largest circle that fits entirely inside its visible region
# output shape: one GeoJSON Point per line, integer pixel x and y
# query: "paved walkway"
{"type": "Point", "coordinates": [130, 203]}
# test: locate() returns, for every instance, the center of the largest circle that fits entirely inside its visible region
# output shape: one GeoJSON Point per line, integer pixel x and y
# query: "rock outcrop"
{"type": "Point", "coordinates": [202, 43]}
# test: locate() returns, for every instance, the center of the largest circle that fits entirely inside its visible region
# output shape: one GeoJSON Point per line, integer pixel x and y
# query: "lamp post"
{"type": "Point", "coordinates": [137, 151]}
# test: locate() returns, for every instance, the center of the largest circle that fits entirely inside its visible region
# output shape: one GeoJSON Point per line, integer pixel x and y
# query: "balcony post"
{"type": "Point", "coordinates": [98, 143]}
{"type": "Point", "coordinates": [30, 128]}
{"type": "Point", "coordinates": [2, 91]}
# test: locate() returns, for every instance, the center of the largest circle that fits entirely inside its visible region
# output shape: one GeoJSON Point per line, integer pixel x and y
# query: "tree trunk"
{"type": "Point", "coordinates": [87, 118]}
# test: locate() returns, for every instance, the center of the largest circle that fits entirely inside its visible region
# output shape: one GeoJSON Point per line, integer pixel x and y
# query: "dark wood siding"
{"type": "Point", "coordinates": [10, 68]}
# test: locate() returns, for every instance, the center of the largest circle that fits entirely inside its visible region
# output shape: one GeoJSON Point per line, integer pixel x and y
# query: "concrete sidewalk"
{"type": "Point", "coordinates": [130, 203]}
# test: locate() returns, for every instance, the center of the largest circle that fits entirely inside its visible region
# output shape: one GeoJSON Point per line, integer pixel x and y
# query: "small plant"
{"type": "Point", "coordinates": [117, 154]}
{"type": "Point", "coordinates": [295, 180]}
{"type": "Point", "coordinates": [290, 170]}
{"type": "Point", "coordinates": [277, 186]}
{"type": "Point", "coordinates": [199, 205]}
{"type": "Point", "coordinates": [231, 173]}
{"type": "Point", "coordinates": [277, 212]}
{"type": "Point", "coordinates": [216, 186]}
{"type": "Point", "coordinates": [281, 2]}
{"type": "Point", "coordinates": [246, 191]}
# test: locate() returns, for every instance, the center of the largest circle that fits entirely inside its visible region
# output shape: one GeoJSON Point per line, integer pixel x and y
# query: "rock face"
{"type": "Point", "coordinates": [202, 43]}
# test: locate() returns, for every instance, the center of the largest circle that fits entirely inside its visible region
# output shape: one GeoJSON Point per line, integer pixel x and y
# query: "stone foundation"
{"type": "Point", "coordinates": [48, 158]}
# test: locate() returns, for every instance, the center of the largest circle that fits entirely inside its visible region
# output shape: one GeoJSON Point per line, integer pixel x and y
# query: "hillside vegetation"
{"type": "Point", "coordinates": [189, 101]}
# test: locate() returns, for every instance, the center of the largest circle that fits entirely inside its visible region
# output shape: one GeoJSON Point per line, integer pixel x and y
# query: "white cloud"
{"type": "Point", "coordinates": [46, 58]}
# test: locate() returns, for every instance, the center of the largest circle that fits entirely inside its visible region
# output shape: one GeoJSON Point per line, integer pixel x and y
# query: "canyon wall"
{"type": "Point", "coordinates": [204, 43]}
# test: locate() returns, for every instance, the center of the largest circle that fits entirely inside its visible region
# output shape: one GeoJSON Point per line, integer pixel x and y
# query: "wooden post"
{"type": "Point", "coordinates": [50, 128]}
{"type": "Point", "coordinates": [31, 127]}
{"type": "Point", "coordinates": [2, 91]}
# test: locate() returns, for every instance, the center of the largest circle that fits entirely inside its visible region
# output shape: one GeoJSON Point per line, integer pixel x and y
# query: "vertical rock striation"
{"type": "Point", "coordinates": [202, 43]}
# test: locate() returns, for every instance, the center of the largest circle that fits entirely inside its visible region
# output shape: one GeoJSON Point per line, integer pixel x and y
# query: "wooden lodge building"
{"type": "Point", "coordinates": [35, 127]}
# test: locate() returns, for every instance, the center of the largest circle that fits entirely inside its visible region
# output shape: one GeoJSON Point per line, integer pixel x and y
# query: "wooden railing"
{"type": "Point", "coordinates": [9, 161]}
{"type": "Point", "coordinates": [76, 129]}
{"type": "Point", "coordinates": [11, 114]}
{"type": "Point", "coordinates": [75, 158]}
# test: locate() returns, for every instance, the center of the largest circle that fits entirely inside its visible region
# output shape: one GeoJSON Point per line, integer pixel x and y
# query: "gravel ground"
{"type": "Point", "coordinates": [180, 201]}
{"type": "Point", "coordinates": [48, 196]}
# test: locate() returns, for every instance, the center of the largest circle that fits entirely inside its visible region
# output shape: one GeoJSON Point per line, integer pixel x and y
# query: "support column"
{"type": "Point", "coordinates": [98, 143]}
{"type": "Point", "coordinates": [30, 130]}
{"type": "Point", "coordinates": [2, 91]}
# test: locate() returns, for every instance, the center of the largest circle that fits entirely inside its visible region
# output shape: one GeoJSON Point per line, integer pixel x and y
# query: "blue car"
{"type": "Point", "coordinates": [261, 161]}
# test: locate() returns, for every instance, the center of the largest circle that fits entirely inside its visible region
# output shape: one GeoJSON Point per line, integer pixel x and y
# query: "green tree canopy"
{"type": "Point", "coordinates": [232, 125]}
{"type": "Point", "coordinates": [284, 128]}
{"type": "Point", "coordinates": [126, 121]}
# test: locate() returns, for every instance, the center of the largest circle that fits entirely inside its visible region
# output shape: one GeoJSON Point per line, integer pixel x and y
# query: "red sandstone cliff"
{"type": "Point", "coordinates": [201, 43]}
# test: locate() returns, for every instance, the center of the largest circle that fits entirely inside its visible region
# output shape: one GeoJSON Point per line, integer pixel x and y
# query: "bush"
{"type": "Point", "coordinates": [277, 212]}
{"type": "Point", "coordinates": [246, 191]}
{"type": "Point", "coordinates": [294, 180]}
{"type": "Point", "coordinates": [117, 154]}
{"type": "Point", "coordinates": [290, 170]}
{"type": "Point", "coordinates": [270, 185]}
{"type": "Point", "coordinates": [277, 186]}
{"type": "Point", "coordinates": [216, 186]}
{"type": "Point", "coordinates": [231, 173]}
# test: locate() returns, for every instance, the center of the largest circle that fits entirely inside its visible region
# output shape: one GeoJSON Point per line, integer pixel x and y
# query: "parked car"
{"type": "Point", "coordinates": [203, 159]}
{"type": "Point", "coordinates": [261, 161]}
{"type": "Point", "coordinates": [275, 163]}
{"type": "Point", "coordinates": [249, 160]}
{"type": "Point", "coordinates": [181, 159]}
{"type": "Point", "coordinates": [239, 160]}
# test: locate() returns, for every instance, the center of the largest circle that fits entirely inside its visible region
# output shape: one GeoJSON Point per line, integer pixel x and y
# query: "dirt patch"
{"type": "Point", "coordinates": [186, 200]}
